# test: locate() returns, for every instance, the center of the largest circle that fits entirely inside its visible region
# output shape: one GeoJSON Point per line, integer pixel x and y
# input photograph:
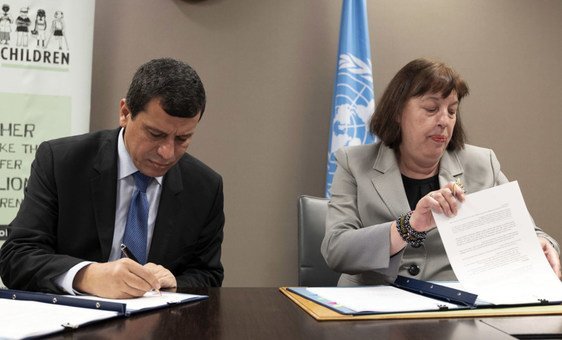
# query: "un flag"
{"type": "Point", "coordinates": [354, 101]}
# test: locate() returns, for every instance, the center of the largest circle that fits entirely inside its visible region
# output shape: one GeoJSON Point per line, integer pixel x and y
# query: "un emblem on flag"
{"type": "Point", "coordinates": [354, 103]}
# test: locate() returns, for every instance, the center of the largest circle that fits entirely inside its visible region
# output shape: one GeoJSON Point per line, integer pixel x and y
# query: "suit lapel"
{"type": "Point", "coordinates": [104, 191]}
{"type": "Point", "coordinates": [387, 179]}
{"type": "Point", "coordinates": [387, 182]}
{"type": "Point", "coordinates": [168, 209]}
{"type": "Point", "coordinates": [450, 168]}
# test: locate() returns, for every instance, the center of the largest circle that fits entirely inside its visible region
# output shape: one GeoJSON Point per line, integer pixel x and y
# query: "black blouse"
{"type": "Point", "coordinates": [417, 188]}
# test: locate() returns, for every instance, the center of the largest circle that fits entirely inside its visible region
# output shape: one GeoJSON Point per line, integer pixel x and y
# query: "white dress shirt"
{"type": "Point", "coordinates": [125, 189]}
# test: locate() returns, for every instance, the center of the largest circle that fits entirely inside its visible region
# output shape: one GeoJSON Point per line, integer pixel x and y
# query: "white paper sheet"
{"type": "Point", "coordinates": [383, 299]}
{"type": "Point", "coordinates": [21, 319]}
{"type": "Point", "coordinates": [494, 251]}
{"type": "Point", "coordinates": [149, 301]}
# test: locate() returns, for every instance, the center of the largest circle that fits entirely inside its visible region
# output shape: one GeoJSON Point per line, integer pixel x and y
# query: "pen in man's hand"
{"type": "Point", "coordinates": [127, 253]}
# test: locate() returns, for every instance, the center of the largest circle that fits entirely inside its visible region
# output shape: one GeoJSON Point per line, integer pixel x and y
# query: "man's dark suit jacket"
{"type": "Point", "coordinates": [68, 216]}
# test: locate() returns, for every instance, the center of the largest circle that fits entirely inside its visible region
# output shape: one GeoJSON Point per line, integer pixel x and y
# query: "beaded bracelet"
{"type": "Point", "coordinates": [408, 234]}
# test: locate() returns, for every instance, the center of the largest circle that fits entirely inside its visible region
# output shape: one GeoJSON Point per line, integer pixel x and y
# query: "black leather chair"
{"type": "Point", "coordinates": [313, 271]}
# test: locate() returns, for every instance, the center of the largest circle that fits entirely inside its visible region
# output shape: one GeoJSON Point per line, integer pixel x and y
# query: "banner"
{"type": "Point", "coordinates": [45, 85]}
{"type": "Point", "coordinates": [353, 101]}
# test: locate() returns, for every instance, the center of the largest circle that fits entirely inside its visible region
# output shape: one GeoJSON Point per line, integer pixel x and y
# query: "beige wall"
{"type": "Point", "coordinates": [268, 67]}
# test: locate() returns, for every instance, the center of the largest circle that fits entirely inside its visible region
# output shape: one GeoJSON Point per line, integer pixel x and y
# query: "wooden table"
{"type": "Point", "coordinates": [265, 313]}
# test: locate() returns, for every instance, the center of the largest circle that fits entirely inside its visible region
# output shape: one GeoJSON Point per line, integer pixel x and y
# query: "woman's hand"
{"type": "Point", "coordinates": [442, 201]}
{"type": "Point", "coordinates": [551, 255]}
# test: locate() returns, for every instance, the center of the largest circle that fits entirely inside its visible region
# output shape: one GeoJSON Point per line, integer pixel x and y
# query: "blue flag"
{"type": "Point", "coordinates": [354, 101]}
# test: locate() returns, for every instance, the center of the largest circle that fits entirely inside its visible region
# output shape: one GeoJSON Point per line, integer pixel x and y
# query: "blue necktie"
{"type": "Point", "coordinates": [136, 228]}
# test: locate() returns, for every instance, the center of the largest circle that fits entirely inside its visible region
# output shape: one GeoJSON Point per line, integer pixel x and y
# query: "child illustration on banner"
{"type": "Point", "coordinates": [57, 30]}
{"type": "Point", "coordinates": [22, 27]}
{"type": "Point", "coordinates": [5, 25]}
{"type": "Point", "coordinates": [40, 27]}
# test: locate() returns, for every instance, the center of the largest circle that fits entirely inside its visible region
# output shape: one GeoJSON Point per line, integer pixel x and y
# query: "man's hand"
{"type": "Point", "coordinates": [551, 255]}
{"type": "Point", "coordinates": [164, 276]}
{"type": "Point", "coordinates": [119, 279]}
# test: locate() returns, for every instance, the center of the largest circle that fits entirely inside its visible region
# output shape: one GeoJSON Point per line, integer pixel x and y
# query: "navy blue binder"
{"type": "Point", "coordinates": [93, 302]}
{"type": "Point", "coordinates": [436, 291]}
{"type": "Point", "coordinates": [11, 294]}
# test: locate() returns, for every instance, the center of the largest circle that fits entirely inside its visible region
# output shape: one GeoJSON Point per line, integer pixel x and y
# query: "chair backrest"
{"type": "Point", "coordinates": [313, 270]}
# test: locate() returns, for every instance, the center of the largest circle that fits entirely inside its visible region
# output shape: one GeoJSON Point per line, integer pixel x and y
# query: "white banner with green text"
{"type": "Point", "coordinates": [45, 84]}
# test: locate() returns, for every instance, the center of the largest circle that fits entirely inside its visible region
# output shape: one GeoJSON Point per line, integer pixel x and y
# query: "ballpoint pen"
{"type": "Point", "coordinates": [128, 254]}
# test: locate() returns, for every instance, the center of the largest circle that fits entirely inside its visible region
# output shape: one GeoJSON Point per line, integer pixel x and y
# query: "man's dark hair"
{"type": "Point", "coordinates": [417, 78]}
{"type": "Point", "coordinates": [173, 82]}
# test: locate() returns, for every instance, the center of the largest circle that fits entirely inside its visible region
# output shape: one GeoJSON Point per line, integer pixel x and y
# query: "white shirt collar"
{"type": "Point", "coordinates": [126, 167]}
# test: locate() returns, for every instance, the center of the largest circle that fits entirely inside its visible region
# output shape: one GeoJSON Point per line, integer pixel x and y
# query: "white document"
{"type": "Point", "coordinates": [22, 319]}
{"type": "Point", "coordinates": [379, 299]}
{"type": "Point", "coordinates": [494, 250]}
{"type": "Point", "coordinates": [148, 301]}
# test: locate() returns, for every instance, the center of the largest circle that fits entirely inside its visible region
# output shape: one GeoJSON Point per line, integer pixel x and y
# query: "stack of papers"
{"type": "Point", "coordinates": [494, 251]}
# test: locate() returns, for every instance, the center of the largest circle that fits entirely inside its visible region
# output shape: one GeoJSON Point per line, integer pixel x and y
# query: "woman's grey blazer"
{"type": "Point", "coordinates": [368, 195]}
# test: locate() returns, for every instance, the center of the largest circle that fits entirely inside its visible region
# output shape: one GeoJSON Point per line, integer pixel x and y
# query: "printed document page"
{"type": "Point", "coordinates": [494, 251]}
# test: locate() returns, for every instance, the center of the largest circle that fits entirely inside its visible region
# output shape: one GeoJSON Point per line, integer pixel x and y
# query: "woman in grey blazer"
{"type": "Point", "coordinates": [379, 221]}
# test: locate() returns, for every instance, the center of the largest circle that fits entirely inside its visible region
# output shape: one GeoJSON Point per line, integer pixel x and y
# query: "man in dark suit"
{"type": "Point", "coordinates": [67, 235]}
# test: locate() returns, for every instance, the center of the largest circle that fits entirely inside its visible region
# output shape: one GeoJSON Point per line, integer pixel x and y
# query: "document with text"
{"type": "Point", "coordinates": [494, 250]}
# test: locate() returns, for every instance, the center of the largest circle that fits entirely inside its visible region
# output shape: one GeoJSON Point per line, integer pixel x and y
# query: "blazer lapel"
{"type": "Point", "coordinates": [104, 191]}
{"type": "Point", "coordinates": [450, 168]}
{"type": "Point", "coordinates": [168, 209]}
{"type": "Point", "coordinates": [387, 181]}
